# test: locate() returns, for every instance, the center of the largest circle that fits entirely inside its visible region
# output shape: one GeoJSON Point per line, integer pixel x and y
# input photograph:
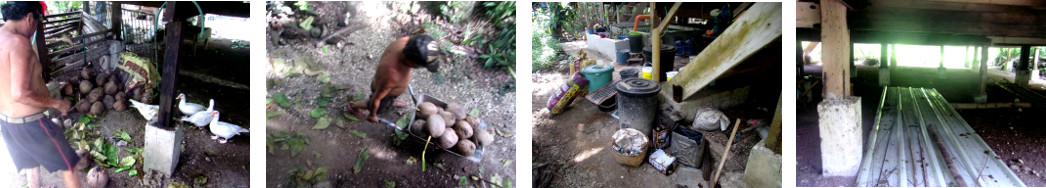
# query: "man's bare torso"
{"type": "Point", "coordinates": [10, 44]}
{"type": "Point", "coordinates": [391, 73]}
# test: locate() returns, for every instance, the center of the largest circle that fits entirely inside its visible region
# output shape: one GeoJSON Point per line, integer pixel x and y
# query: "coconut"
{"type": "Point", "coordinates": [97, 177]}
{"type": "Point", "coordinates": [111, 88]}
{"type": "Point", "coordinates": [83, 106]}
{"type": "Point", "coordinates": [120, 106]}
{"type": "Point", "coordinates": [426, 109]}
{"type": "Point", "coordinates": [448, 139]}
{"type": "Point", "coordinates": [85, 73]}
{"type": "Point", "coordinates": [137, 94]}
{"type": "Point", "coordinates": [418, 128]}
{"type": "Point", "coordinates": [120, 96]}
{"type": "Point", "coordinates": [101, 79]}
{"type": "Point", "coordinates": [457, 110]}
{"type": "Point", "coordinates": [473, 120]}
{"type": "Point", "coordinates": [68, 122]}
{"type": "Point", "coordinates": [68, 89]}
{"type": "Point", "coordinates": [85, 86]}
{"type": "Point", "coordinates": [95, 95]}
{"type": "Point", "coordinates": [146, 98]}
{"type": "Point", "coordinates": [435, 126]}
{"type": "Point", "coordinates": [463, 129]}
{"type": "Point", "coordinates": [448, 118]}
{"type": "Point", "coordinates": [482, 137]}
{"type": "Point", "coordinates": [113, 79]}
{"type": "Point", "coordinates": [97, 108]}
{"type": "Point", "coordinates": [84, 158]}
{"type": "Point", "coordinates": [108, 101]}
{"type": "Point", "coordinates": [465, 147]}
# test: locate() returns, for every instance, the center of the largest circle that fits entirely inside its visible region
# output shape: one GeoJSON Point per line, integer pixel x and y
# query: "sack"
{"type": "Point", "coordinates": [567, 93]}
{"type": "Point", "coordinates": [137, 72]}
{"type": "Point", "coordinates": [709, 119]}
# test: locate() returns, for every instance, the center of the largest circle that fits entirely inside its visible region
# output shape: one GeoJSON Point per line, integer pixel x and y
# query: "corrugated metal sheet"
{"type": "Point", "coordinates": [919, 140]}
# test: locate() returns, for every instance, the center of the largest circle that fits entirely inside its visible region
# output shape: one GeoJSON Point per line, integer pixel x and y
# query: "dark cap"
{"type": "Point", "coordinates": [423, 52]}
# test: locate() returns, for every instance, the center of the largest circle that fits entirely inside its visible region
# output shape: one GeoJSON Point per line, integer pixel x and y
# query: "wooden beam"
{"type": "Point", "coordinates": [755, 29]}
{"type": "Point", "coordinates": [169, 70]}
{"type": "Point", "coordinates": [836, 50]}
{"type": "Point", "coordinates": [951, 22]}
{"type": "Point", "coordinates": [671, 12]}
{"type": "Point", "coordinates": [1034, 3]}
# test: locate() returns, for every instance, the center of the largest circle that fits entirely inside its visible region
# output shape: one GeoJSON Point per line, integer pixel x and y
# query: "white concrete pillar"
{"type": "Point", "coordinates": [841, 136]}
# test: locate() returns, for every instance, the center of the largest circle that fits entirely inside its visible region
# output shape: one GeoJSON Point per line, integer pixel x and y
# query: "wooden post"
{"type": "Point", "coordinates": [655, 44]}
{"type": "Point", "coordinates": [835, 37]}
{"type": "Point", "coordinates": [884, 56]}
{"type": "Point", "coordinates": [41, 49]}
{"type": "Point", "coordinates": [87, 7]}
{"type": "Point", "coordinates": [984, 68]}
{"type": "Point", "coordinates": [116, 13]}
{"type": "Point", "coordinates": [773, 139]}
{"type": "Point", "coordinates": [893, 55]}
{"type": "Point", "coordinates": [170, 67]}
{"type": "Point", "coordinates": [1035, 65]}
{"type": "Point", "coordinates": [941, 55]}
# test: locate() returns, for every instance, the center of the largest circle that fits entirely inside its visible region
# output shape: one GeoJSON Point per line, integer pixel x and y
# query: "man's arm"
{"type": "Point", "coordinates": [375, 101]}
{"type": "Point", "coordinates": [21, 81]}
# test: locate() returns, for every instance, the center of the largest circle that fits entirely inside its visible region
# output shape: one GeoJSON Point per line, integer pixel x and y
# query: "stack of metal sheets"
{"type": "Point", "coordinates": [918, 139]}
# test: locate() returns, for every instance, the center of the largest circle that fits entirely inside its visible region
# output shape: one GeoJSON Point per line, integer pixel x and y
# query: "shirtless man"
{"type": "Point", "coordinates": [32, 139]}
{"type": "Point", "coordinates": [393, 73]}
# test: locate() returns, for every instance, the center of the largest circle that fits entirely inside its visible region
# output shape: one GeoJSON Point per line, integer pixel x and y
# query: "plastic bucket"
{"type": "Point", "coordinates": [648, 72]}
{"type": "Point", "coordinates": [671, 75]}
{"type": "Point", "coordinates": [622, 56]}
{"type": "Point", "coordinates": [629, 73]}
{"type": "Point", "coordinates": [590, 30]}
{"type": "Point", "coordinates": [637, 103]}
{"type": "Point", "coordinates": [635, 42]}
{"type": "Point", "coordinates": [597, 75]}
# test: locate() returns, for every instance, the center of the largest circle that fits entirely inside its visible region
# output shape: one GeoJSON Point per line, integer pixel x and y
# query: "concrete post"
{"type": "Point", "coordinates": [1023, 74]}
{"type": "Point", "coordinates": [162, 148]}
{"type": "Point", "coordinates": [841, 136]}
{"type": "Point", "coordinates": [884, 65]}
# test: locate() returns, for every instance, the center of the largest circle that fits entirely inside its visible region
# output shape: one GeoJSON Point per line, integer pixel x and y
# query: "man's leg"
{"type": "Point", "coordinates": [356, 108]}
{"type": "Point", "coordinates": [32, 175]}
{"type": "Point", "coordinates": [72, 178]}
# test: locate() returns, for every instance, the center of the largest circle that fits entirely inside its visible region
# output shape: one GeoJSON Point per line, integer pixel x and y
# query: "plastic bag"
{"type": "Point", "coordinates": [567, 93]}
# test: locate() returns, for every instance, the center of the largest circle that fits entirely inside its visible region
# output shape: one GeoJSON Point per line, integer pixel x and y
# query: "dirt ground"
{"type": "Point", "coordinates": [575, 145]}
{"type": "Point", "coordinates": [222, 165]}
{"type": "Point", "coordinates": [351, 64]}
{"type": "Point", "coordinates": [1000, 128]}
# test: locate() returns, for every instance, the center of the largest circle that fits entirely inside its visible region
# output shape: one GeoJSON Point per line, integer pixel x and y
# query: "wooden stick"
{"type": "Point", "coordinates": [726, 152]}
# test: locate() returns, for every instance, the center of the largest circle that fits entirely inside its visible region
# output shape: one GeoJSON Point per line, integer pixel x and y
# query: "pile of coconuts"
{"type": "Point", "coordinates": [96, 93]}
{"type": "Point", "coordinates": [450, 127]}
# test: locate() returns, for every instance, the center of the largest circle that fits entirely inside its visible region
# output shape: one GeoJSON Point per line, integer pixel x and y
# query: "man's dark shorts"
{"type": "Point", "coordinates": [38, 142]}
{"type": "Point", "coordinates": [385, 104]}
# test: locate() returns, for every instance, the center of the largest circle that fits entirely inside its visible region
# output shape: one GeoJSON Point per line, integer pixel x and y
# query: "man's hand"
{"type": "Point", "coordinates": [63, 106]}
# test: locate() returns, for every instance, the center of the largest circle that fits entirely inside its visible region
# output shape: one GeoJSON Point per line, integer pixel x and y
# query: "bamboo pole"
{"type": "Point", "coordinates": [726, 152]}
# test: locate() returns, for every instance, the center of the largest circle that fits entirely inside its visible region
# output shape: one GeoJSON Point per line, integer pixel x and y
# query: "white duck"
{"type": "Point", "coordinates": [224, 131]}
{"type": "Point", "coordinates": [147, 110]}
{"type": "Point", "coordinates": [201, 118]}
{"type": "Point", "coordinates": [188, 108]}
